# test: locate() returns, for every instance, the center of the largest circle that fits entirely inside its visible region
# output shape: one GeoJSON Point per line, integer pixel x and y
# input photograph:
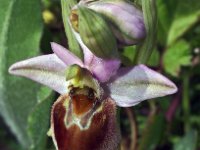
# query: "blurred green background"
{"type": "Point", "coordinates": [26, 29]}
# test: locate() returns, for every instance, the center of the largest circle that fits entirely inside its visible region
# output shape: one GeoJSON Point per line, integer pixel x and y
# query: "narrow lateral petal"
{"type": "Point", "coordinates": [48, 70]}
{"type": "Point", "coordinates": [130, 86]}
{"type": "Point", "coordinates": [65, 55]}
{"type": "Point", "coordinates": [102, 69]}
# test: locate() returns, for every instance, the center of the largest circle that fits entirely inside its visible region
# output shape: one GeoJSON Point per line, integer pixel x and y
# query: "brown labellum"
{"type": "Point", "coordinates": [79, 121]}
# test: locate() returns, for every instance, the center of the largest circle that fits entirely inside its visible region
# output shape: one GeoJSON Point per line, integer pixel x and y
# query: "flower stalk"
{"type": "Point", "coordinates": [186, 101]}
{"type": "Point", "coordinates": [150, 21]}
{"type": "Point", "coordinates": [134, 129]}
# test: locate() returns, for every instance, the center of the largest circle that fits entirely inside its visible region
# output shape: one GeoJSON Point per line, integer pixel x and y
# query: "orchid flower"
{"type": "Point", "coordinates": [75, 112]}
{"type": "Point", "coordinates": [127, 86]}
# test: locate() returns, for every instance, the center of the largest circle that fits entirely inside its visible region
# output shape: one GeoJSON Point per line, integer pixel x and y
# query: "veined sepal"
{"type": "Point", "coordinates": [94, 129]}
{"type": "Point", "coordinates": [94, 31]}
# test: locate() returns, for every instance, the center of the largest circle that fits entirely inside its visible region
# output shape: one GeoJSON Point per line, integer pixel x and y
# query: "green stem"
{"type": "Point", "coordinates": [137, 54]}
{"type": "Point", "coordinates": [150, 21]}
{"type": "Point", "coordinates": [153, 108]}
{"type": "Point", "coordinates": [186, 101]}
{"type": "Point", "coordinates": [133, 125]}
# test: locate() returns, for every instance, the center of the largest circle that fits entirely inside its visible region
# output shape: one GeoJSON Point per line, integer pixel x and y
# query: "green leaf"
{"type": "Point", "coordinates": [153, 132]}
{"type": "Point", "coordinates": [7, 141]}
{"type": "Point", "coordinates": [188, 142]}
{"type": "Point", "coordinates": [185, 17]}
{"type": "Point", "coordinates": [96, 34]}
{"type": "Point", "coordinates": [176, 56]}
{"type": "Point", "coordinates": [72, 42]}
{"type": "Point", "coordinates": [150, 20]}
{"type": "Point", "coordinates": [175, 18]}
{"type": "Point", "coordinates": [39, 119]}
{"type": "Point", "coordinates": [128, 55]}
{"type": "Point", "coordinates": [165, 17]}
{"type": "Point", "coordinates": [20, 33]}
{"type": "Point", "coordinates": [166, 11]}
{"type": "Point", "coordinates": [154, 58]}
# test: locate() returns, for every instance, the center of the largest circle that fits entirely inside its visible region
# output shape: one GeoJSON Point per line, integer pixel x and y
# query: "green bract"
{"type": "Point", "coordinates": [96, 34]}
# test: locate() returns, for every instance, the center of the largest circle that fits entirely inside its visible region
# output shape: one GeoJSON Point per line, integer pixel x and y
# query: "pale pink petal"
{"type": "Point", "coordinates": [65, 55]}
{"type": "Point", "coordinates": [104, 69]}
{"type": "Point", "coordinates": [48, 70]}
{"type": "Point", "coordinates": [130, 86]}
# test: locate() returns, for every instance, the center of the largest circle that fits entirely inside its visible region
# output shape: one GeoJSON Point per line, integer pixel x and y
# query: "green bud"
{"type": "Point", "coordinates": [96, 33]}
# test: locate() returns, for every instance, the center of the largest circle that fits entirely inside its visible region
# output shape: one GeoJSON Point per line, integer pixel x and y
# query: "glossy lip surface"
{"type": "Point", "coordinates": [83, 100]}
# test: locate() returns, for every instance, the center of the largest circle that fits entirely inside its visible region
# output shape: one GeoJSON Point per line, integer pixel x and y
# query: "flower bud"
{"type": "Point", "coordinates": [125, 18]}
{"type": "Point", "coordinates": [94, 31]}
{"type": "Point", "coordinates": [79, 121]}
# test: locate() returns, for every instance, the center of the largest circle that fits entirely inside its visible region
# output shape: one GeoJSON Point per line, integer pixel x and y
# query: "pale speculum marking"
{"type": "Point", "coordinates": [83, 104]}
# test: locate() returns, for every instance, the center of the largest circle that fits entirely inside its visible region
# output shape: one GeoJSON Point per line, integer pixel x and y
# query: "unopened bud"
{"type": "Point", "coordinates": [125, 18]}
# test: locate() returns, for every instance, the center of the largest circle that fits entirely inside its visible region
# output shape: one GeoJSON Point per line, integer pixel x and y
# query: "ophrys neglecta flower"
{"type": "Point", "coordinates": [84, 115]}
